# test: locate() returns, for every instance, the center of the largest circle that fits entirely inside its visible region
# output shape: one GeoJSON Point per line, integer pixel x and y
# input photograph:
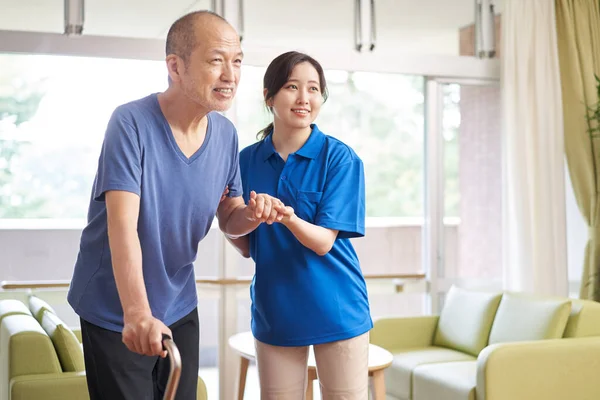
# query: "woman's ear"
{"type": "Point", "coordinates": [268, 102]}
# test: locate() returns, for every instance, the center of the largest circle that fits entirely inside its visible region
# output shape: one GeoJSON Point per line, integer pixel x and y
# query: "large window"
{"type": "Point", "coordinates": [53, 113]}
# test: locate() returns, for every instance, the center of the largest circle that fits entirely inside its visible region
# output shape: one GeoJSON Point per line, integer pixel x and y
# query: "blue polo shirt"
{"type": "Point", "coordinates": [298, 297]}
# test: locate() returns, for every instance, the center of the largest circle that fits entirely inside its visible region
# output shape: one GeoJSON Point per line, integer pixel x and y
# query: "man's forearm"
{"type": "Point", "coordinates": [318, 239]}
{"type": "Point", "coordinates": [242, 245]}
{"type": "Point", "coordinates": [238, 224]}
{"type": "Point", "coordinates": [129, 277]}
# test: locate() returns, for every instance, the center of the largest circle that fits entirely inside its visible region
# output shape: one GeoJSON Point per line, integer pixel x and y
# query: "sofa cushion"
{"type": "Point", "coordinates": [38, 306]}
{"type": "Point", "coordinates": [65, 342]}
{"type": "Point", "coordinates": [12, 307]}
{"type": "Point", "coordinates": [523, 317]}
{"type": "Point", "coordinates": [466, 320]}
{"type": "Point", "coordinates": [447, 381]}
{"type": "Point", "coordinates": [584, 319]}
{"type": "Point", "coordinates": [398, 376]}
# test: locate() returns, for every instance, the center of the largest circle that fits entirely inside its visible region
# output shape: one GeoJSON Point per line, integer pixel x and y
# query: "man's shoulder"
{"type": "Point", "coordinates": [221, 122]}
{"type": "Point", "coordinates": [136, 108]}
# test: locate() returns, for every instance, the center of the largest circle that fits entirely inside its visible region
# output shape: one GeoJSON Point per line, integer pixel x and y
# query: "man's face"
{"type": "Point", "coordinates": [212, 73]}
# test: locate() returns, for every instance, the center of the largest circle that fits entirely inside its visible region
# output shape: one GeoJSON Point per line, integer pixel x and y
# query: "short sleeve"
{"type": "Point", "coordinates": [234, 181]}
{"type": "Point", "coordinates": [119, 166]}
{"type": "Point", "coordinates": [244, 161]}
{"type": "Point", "coordinates": [342, 205]}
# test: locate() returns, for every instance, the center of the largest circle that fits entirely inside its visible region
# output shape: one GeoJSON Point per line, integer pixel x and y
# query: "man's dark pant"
{"type": "Point", "coordinates": [115, 373]}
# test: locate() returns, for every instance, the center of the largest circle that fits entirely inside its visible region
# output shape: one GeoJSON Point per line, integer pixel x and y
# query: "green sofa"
{"type": "Point", "coordinates": [495, 346]}
{"type": "Point", "coordinates": [41, 357]}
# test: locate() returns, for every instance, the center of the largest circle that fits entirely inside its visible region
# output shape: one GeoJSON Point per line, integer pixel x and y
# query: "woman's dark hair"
{"type": "Point", "coordinates": [278, 73]}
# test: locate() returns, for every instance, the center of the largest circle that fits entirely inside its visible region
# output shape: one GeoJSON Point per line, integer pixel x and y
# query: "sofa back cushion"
{"type": "Point", "coordinates": [65, 342]}
{"type": "Point", "coordinates": [38, 306]}
{"type": "Point", "coordinates": [584, 319]}
{"type": "Point", "coordinates": [12, 307]}
{"type": "Point", "coordinates": [523, 317]}
{"type": "Point", "coordinates": [466, 320]}
{"type": "Point", "coordinates": [30, 350]}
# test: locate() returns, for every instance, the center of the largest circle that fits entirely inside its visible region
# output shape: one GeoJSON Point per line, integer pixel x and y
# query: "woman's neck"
{"type": "Point", "coordinates": [287, 141]}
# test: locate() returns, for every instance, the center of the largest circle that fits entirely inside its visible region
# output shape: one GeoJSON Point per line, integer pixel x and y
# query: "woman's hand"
{"type": "Point", "coordinates": [264, 208]}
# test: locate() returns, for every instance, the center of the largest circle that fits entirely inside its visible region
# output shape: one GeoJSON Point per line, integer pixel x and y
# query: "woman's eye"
{"type": "Point", "coordinates": [316, 89]}
{"type": "Point", "coordinates": [293, 87]}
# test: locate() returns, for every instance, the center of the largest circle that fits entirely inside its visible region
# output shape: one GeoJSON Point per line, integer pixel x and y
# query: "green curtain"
{"type": "Point", "coordinates": [578, 33]}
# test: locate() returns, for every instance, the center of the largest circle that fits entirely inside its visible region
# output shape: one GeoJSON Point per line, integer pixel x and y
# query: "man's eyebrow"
{"type": "Point", "coordinates": [224, 52]}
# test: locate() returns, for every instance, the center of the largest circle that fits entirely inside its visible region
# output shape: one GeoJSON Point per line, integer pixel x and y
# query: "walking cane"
{"type": "Point", "coordinates": [175, 367]}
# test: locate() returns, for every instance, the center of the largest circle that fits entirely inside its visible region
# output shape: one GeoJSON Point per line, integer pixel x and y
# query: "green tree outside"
{"type": "Point", "coordinates": [19, 101]}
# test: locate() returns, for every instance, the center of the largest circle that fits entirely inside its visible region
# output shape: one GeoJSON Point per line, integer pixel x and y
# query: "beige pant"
{"type": "Point", "coordinates": [342, 368]}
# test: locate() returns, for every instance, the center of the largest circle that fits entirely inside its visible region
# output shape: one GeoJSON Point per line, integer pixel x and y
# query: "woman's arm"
{"type": "Point", "coordinates": [318, 239]}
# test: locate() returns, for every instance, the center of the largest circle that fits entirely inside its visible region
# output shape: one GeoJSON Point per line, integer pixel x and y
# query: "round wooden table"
{"type": "Point", "coordinates": [379, 359]}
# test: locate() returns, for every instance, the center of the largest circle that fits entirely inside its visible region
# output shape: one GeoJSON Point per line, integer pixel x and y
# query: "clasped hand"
{"type": "Point", "coordinates": [265, 208]}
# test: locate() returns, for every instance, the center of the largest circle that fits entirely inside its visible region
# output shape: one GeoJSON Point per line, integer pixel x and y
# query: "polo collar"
{"type": "Point", "coordinates": [310, 149]}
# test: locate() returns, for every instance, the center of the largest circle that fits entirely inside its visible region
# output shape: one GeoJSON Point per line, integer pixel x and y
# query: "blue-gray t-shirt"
{"type": "Point", "coordinates": [179, 197]}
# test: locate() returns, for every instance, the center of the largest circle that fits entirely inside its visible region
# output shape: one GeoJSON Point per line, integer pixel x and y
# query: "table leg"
{"type": "Point", "coordinates": [243, 373]}
{"type": "Point", "coordinates": [378, 385]}
{"type": "Point", "coordinates": [312, 377]}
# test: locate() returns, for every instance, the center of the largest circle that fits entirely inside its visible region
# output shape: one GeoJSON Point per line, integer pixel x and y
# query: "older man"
{"type": "Point", "coordinates": [165, 163]}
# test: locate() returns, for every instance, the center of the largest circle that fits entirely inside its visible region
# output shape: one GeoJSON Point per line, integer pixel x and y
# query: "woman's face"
{"type": "Point", "coordinates": [297, 104]}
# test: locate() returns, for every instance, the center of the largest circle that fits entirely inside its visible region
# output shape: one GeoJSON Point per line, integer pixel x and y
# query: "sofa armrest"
{"type": "Point", "coordinates": [67, 385]}
{"type": "Point", "coordinates": [202, 393]}
{"type": "Point", "coordinates": [404, 332]}
{"type": "Point", "coordinates": [555, 369]}
{"type": "Point", "coordinates": [59, 386]}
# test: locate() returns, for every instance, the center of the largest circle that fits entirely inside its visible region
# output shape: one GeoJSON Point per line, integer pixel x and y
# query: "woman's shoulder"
{"type": "Point", "coordinates": [339, 152]}
{"type": "Point", "coordinates": [251, 150]}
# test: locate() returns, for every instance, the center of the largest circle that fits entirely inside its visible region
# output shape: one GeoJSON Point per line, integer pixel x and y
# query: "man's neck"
{"type": "Point", "coordinates": [184, 116]}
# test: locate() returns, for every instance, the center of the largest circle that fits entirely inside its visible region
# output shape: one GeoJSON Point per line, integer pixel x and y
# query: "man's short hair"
{"type": "Point", "coordinates": [181, 39]}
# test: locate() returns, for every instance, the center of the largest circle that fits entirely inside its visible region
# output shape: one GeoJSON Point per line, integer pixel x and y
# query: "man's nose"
{"type": "Point", "coordinates": [228, 74]}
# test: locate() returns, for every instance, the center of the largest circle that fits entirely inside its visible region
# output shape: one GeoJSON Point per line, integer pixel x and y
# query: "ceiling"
{"type": "Point", "coordinates": [152, 18]}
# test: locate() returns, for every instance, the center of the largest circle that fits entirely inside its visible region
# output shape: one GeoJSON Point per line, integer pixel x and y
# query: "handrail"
{"type": "Point", "coordinates": [58, 284]}
{"type": "Point", "coordinates": [8, 285]}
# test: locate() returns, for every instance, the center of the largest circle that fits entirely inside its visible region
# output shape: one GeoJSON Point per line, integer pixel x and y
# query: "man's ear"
{"type": "Point", "coordinates": [175, 67]}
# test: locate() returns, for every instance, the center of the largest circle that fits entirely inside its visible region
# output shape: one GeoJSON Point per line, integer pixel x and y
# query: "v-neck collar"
{"type": "Point", "coordinates": [173, 142]}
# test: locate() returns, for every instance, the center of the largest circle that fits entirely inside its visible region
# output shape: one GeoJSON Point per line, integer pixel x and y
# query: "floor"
{"type": "Point", "coordinates": [211, 379]}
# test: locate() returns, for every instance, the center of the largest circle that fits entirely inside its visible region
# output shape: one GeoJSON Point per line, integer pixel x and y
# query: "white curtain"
{"type": "Point", "coordinates": [534, 230]}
